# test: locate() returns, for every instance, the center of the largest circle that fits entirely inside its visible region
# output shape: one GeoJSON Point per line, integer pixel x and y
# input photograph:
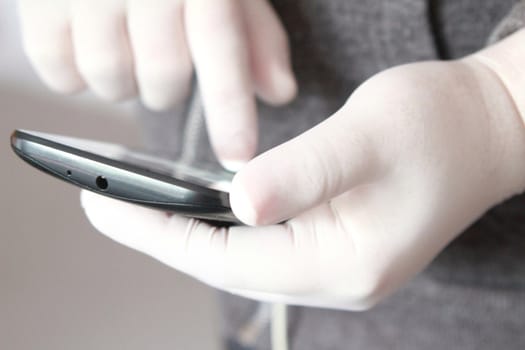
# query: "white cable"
{"type": "Point", "coordinates": [279, 327]}
{"type": "Point", "coordinates": [248, 333]}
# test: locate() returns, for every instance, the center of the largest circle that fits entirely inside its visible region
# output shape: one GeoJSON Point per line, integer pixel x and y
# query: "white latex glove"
{"type": "Point", "coordinates": [371, 195]}
{"type": "Point", "coordinates": [123, 48]}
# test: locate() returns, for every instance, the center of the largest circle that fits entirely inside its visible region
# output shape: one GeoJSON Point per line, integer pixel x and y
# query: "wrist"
{"type": "Point", "coordinates": [506, 59]}
{"type": "Point", "coordinates": [500, 72]}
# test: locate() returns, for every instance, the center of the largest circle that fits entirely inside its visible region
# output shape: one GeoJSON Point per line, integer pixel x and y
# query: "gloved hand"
{"type": "Point", "coordinates": [370, 196]}
{"type": "Point", "coordinates": [123, 48]}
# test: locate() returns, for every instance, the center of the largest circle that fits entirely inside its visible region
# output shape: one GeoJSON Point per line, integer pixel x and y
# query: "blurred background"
{"type": "Point", "coordinates": [63, 285]}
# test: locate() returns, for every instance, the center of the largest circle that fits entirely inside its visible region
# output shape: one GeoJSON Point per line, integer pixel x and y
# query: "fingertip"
{"type": "Point", "coordinates": [234, 148]}
{"type": "Point", "coordinates": [262, 192]}
{"type": "Point", "coordinates": [253, 198]}
{"type": "Point", "coordinates": [56, 67]}
{"type": "Point", "coordinates": [113, 86]}
{"type": "Point", "coordinates": [162, 97]}
{"type": "Point", "coordinates": [93, 207]}
{"type": "Point", "coordinates": [241, 204]}
{"type": "Point", "coordinates": [232, 165]}
{"type": "Point", "coordinates": [286, 84]}
{"type": "Point", "coordinates": [156, 104]}
{"type": "Point", "coordinates": [65, 85]}
{"type": "Point", "coordinates": [117, 95]}
{"type": "Point", "coordinates": [100, 206]}
{"type": "Point", "coordinates": [94, 203]}
{"type": "Point", "coordinates": [85, 199]}
{"type": "Point", "coordinates": [283, 87]}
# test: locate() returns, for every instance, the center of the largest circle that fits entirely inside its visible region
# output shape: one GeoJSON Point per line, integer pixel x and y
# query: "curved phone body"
{"type": "Point", "coordinates": [114, 171]}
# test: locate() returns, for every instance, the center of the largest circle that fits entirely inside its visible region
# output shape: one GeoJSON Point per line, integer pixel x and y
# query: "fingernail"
{"type": "Point", "coordinates": [285, 83]}
{"type": "Point", "coordinates": [242, 207]}
{"type": "Point", "coordinates": [233, 165]}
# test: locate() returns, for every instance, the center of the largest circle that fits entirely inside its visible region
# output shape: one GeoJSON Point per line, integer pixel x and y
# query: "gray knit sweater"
{"type": "Point", "coordinates": [473, 295]}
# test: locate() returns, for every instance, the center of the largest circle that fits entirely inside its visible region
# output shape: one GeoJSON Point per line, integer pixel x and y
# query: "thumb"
{"type": "Point", "coordinates": [312, 168]}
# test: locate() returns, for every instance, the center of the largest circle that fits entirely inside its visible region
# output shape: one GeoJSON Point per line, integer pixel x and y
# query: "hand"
{"type": "Point", "coordinates": [370, 196]}
{"type": "Point", "coordinates": [123, 48]}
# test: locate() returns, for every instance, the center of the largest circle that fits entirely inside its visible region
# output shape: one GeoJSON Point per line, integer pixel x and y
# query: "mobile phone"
{"type": "Point", "coordinates": [195, 190]}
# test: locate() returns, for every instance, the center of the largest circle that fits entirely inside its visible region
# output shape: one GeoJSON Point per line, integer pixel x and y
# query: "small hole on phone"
{"type": "Point", "coordinates": [102, 182]}
{"type": "Point", "coordinates": [68, 173]}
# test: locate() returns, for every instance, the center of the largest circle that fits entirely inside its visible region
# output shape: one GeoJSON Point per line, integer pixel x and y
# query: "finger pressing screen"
{"type": "Point", "coordinates": [220, 52]}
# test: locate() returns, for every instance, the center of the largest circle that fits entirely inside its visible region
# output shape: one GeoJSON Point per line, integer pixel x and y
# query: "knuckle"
{"type": "Point", "coordinates": [66, 86]}
{"type": "Point", "coordinates": [48, 58]}
{"type": "Point", "coordinates": [367, 294]}
{"type": "Point", "coordinates": [364, 290]}
{"type": "Point", "coordinates": [57, 69]}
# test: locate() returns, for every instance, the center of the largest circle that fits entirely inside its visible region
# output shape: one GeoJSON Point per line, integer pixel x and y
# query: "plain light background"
{"type": "Point", "coordinates": [63, 285]}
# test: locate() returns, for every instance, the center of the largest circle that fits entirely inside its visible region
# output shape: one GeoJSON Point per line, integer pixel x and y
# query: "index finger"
{"type": "Point", "coordinates": [219, 47]}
